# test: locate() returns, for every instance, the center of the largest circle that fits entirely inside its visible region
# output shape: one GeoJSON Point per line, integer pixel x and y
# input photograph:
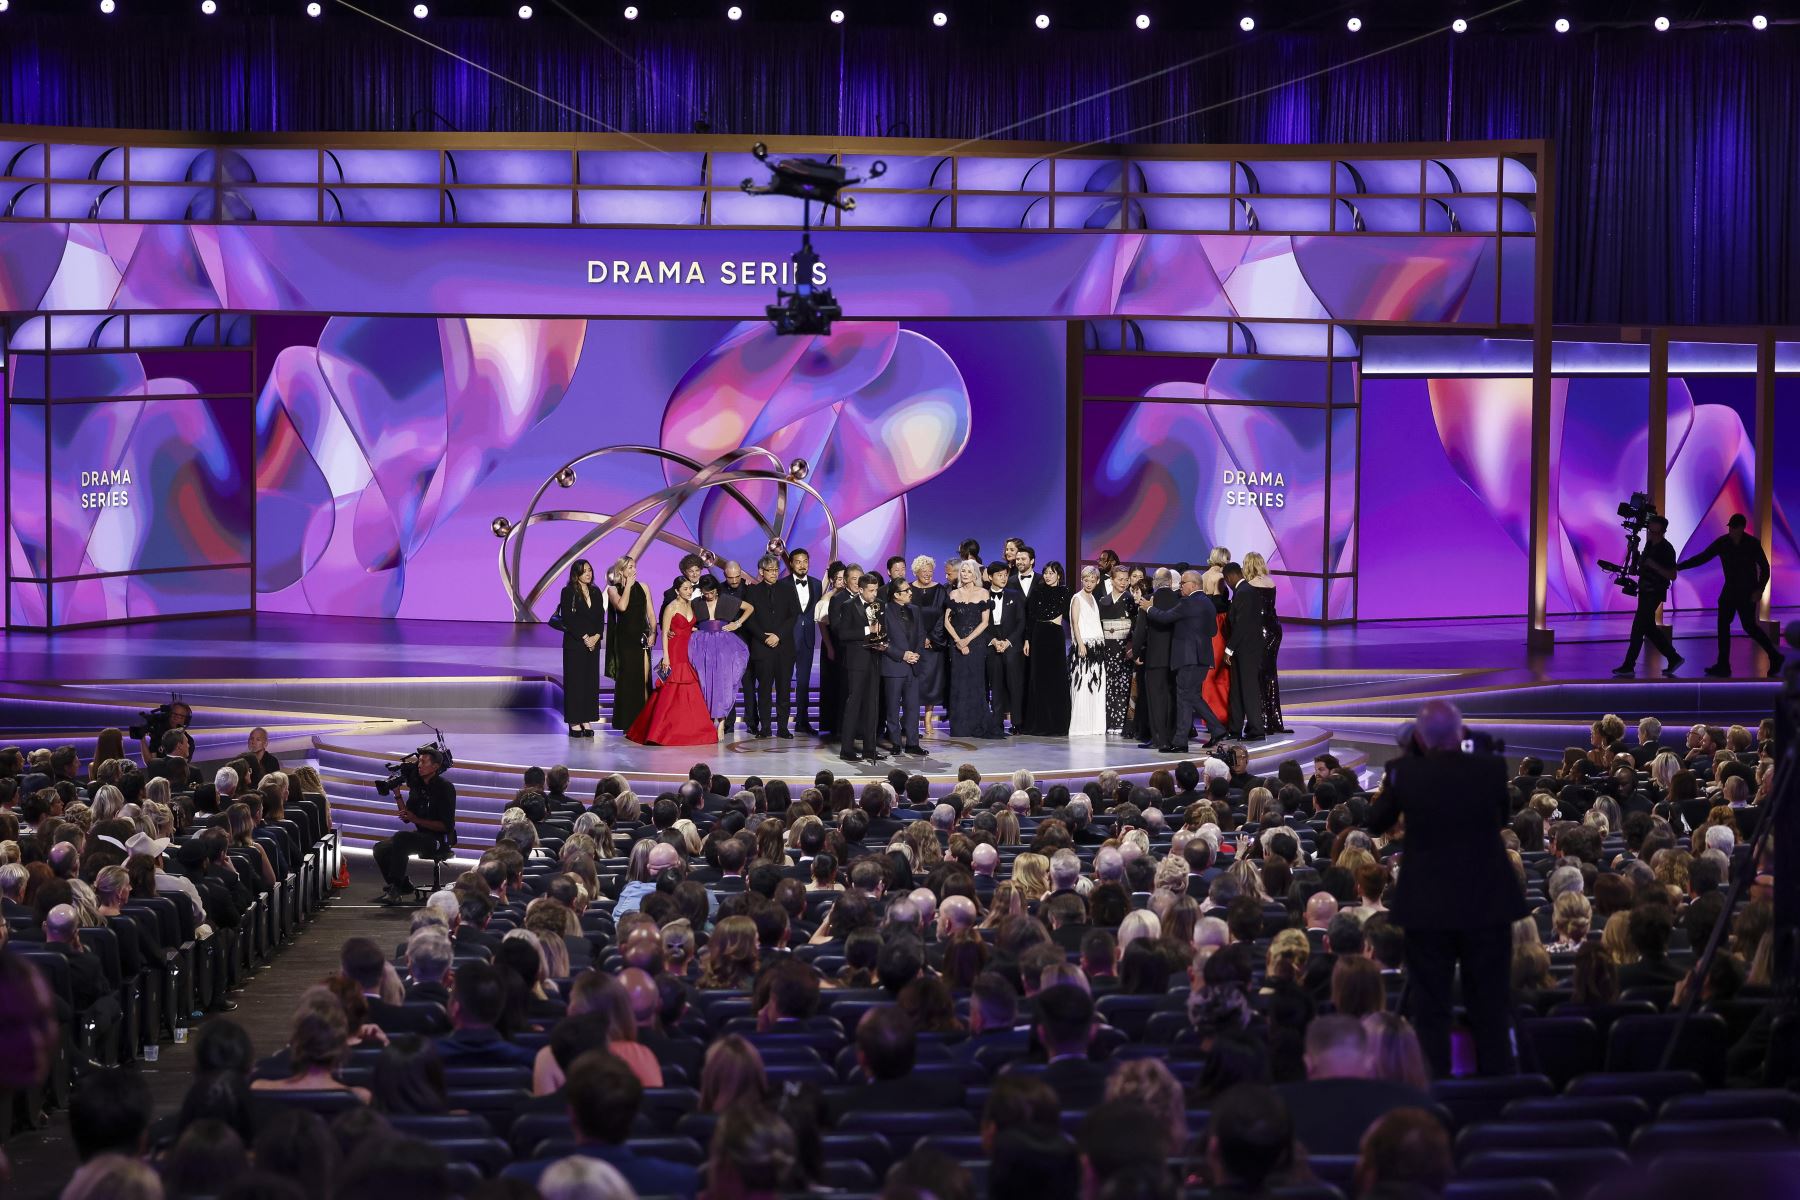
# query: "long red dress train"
{"type": "Point", "coordinates": [1215, 689]}
{"type": "Point", "coordinates": [677, 714]}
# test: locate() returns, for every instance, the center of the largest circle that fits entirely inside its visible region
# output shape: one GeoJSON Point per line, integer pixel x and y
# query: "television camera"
{"type": "Point", "coordinates": [1634, 515]}
{"type": "Point", "coordinates": [405, 773]}
{"type": "Point", "coordinates": [810, 308]}
{"type": "Point", "coordinates": [157, 721]}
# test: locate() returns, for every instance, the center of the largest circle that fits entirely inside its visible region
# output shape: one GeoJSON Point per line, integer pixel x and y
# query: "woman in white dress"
{"type": "Point", "coordinates": [1087, 671]}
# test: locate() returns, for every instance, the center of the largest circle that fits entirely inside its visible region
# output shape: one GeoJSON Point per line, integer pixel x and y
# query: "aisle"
{"type": "Point", "coordinates": [43, 1160]}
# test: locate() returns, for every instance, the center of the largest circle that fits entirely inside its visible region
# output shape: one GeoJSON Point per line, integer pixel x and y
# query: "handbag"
{"type": "Point", "coordinates": [558, 621]}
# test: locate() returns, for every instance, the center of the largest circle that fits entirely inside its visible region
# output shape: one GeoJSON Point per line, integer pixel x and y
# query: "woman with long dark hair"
{"type": "Point", "coordinates": [1047, 699]}
{"type": "Point", "coordinates": [583, 612]}
{"type": "Point", "coordinates": [630, 629]}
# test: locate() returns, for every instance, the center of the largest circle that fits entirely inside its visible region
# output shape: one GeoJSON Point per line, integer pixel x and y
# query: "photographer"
{"type": "Point", "coordinates": [1656, 571]}
{"type": "Point", "coordinates": [1746, 570]}
{"type": "Point", "coordinates": [431, 811]}
{"type": "Point", "coordinates": [1456, 895]}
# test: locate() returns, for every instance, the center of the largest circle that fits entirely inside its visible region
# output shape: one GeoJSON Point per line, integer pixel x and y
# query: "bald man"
{"type": "Point", "coordinates": [640, 989]}
{"type": "Point", "coordinates": [1192, 621]}
{"type": "Point", "coordinates": [956, 915]}
{"type": "Point", "coordinates": [984, 861]}
{"type": "Point", "coordinates": [87, 978]}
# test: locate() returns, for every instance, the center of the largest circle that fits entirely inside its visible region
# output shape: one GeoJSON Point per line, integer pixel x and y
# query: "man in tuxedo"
{"type": "Point", "coordinates": [856, 631]}
{"type": "Point", "coordinates": [1191, 621]}
{"type": "Point", "coordinates": [1006, 647]}
{"type": "Point", "coordinates": [772, 627]}
{"type": "Point", "coordinates": [901, 665]}
{"type": "Point", "coordinates": [1457, 896]}
{"type": "Point", "coordinates": [1152, 647]}
{"type": "Point", "coordinates": [806, 591]}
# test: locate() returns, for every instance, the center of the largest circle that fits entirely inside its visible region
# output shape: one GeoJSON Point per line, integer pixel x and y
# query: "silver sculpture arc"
{"type": "Point", "coordinates": [727, 471]}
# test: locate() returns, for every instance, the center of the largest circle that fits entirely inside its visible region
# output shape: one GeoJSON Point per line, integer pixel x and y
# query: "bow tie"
{"type": "Point", "coordinates": [1025, 576]}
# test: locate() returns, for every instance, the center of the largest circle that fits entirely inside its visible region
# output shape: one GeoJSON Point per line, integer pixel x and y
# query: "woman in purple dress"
{"type": "Point", "coordinates": [716, 651]}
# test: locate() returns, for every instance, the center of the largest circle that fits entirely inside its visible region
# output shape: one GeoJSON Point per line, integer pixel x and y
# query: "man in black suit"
{"type": "Point", "coordinates": [1457, 895]}
{"type": "Point", "coordinates": [362, 962]}
{"type": "Point", "coordinates": [1065, 1026]}
{"type": "Point", "coordinates": [886, 1050]}
{"type": "Point", "coordinates": [1192, 620]}
{"type": "Point", "coordinates": [1006, 646]}
{"type": "Point", "coordinates": [807, 591]}
{"type": "Point", "coordinates": [1152, 646]}
{"type": "Point", "coordinates": [1341, 1097]}
{"type": "Point", "coordinates": [771, 626]}
{"type": "Point", "coordinates": [857, 632]}
{"type": "Point", "coordinates": [173, 764]}
{"type": "Point", "coordinates": [901, 665]}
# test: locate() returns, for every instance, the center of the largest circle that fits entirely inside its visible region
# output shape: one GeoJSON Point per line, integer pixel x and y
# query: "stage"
{"type": "Point", "coordinates": [352, 694]}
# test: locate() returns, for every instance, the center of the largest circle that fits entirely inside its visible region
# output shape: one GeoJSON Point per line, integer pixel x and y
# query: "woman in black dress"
{"type": "Point", "coordinates": [966, 623]}
{"type": "Point", "coordinates": [629, 632]}
{"type": "Point", "coordinates": [1250, 605]}
{"type": "Point", "coordinates": [1047, 656]}
{"type": "Point", "coordinates": [583, 611]}
{"type": "Point", "coordinates": [929, 598]}
{"type": "Point", "coordinates": [1271, 681]}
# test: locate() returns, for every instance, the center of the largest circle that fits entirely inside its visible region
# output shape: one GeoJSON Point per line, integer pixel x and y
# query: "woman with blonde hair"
{"type": "Point", "coordinates": [1252, 629]}
{"type": "Point", "coordinates": [732, 955]}
{"type": "Point", "coordinates": [1006, 828]}
{"type": "Point", "coordinates": [1138, 923]}
{"type": "Point", "coordinates": [732, 1071]}
{"type": "Point", "coordinates": [1249, 878]}
{"type": "Point", "coordinates": [1261, 807]}
{"type": "Point", "coordinates": [242, 826]}
{"type": "Point", "coordinates": [1031, 873]}
{"type": "Point", "coordinates": [598, 992]}
{"type": "Point", "coordinates": [553, 960]}
{"type": "Point", "coordinates": [1354, 859]}
{"type": "Point", "coordinates": [1008, 901]}
{"type": "Point", "coordinates": [1288, 955]}
{"type": "Point", "coordinates": [1150, 1083]}
{"type": "Point", "coordinates": [1394, 1051]}
{"type": "Point", "coordinates": [1571, 917]}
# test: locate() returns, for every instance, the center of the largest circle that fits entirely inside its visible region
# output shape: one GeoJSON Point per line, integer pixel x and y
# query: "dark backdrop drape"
{"type": "Point", "coordinates": [1678, 154]}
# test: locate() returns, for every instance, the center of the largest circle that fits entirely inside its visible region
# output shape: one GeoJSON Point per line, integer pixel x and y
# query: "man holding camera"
{"type": "Point", "coordinates": [1456, 895]}
{"type": "Point", "coordinates": [1746, 570]}
{"type": "Point", "coordinates": [1656, 571]}
{"type": "Point", "coordinates": [431, 812]}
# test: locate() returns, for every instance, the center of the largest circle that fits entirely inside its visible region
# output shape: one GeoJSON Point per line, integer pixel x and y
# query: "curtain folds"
{"type": "Point", "coordinates": [1678, 155]}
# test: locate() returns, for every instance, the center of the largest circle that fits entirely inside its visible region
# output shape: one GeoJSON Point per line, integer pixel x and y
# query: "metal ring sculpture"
{"type": "Point", "coordinates": [725, 472]}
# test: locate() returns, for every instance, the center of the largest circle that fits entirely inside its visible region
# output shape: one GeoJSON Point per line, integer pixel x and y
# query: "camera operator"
{"type": "Point", "coordinates": [1656, 571]}
{"type": "Point", "coordinates": [158, 722]}
{"type": "Point", "coordinates": [1746, 570]}
{"type": "Point", "coordinates": [1456, 895]}
{"type": "Point", "coordinates": [430, 810]}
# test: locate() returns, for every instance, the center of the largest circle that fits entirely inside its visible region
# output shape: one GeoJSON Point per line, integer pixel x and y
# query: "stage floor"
{"type": "Point", "coordinates": [349, 694]}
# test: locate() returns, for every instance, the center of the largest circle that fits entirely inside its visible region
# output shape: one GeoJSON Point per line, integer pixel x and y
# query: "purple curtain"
{"type": "Point", "coordinates": [1678, 155]}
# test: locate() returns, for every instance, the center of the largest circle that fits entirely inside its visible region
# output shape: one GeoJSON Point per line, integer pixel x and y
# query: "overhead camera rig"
{"type": "Point", "coordinates": [810, 308]}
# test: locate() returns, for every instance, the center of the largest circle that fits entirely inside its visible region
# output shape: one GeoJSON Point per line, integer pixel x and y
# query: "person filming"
{"type": "Point", "coordinates": [1456, 894]}
{"type": "Point", "coordinates": [1656, 571]}
{"type": "Point", "coordinates": [1746, 570]}
{"type": "Point", "coordinates": [431, 811]}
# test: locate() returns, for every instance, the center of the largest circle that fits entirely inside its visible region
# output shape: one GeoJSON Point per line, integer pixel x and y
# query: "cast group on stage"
{"type": "Point", "coordinates": [1002, 647]}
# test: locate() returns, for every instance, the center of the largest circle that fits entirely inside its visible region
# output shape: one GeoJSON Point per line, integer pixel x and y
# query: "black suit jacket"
{"type": "Point", "coordinates": [849, 634]}
{"type": "Point", "coordinates": [1330, 1115]}
{"type": "Point", "coordinates": [1011, 625]}
{"type": "Point", "coordinates": [398, 1018]}
{"type": "Point", "coordinates": [1191, 620]}
{"type": "Point", "coordinates": [777, 612]}
{"type": "Point", "coordinates": [813, 589]}
{"type": "Point", "coordinates": [87, 977]}
{"type": "Point", "coordinates": [1079, 1082]}
{"type": "Point", "coordinates": [906, 631]}
{"type": "Point", "coordinates": [1155, 641]}
{"type": "Point", "coordinates": [1454, 873]}
{"type": "Point", "coordinates": [178, 771]}
{"type": "Point", "coordinates": [1243, 631]}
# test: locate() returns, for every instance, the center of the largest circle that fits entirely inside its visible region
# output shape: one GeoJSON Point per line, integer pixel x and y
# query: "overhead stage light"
{"type": "Point", "coordinates": [1142, 21]}
{"type": "Point", "coordinates": [1247, 24]}
{"type": "Point", "coordinates": [1759, 22]}
{"type": "Point", "coordinates": [940, 19]}
{"type": "Point", "coordinates": [1562, 24]}
{"type": "Point", "coordinates": [1354, 24]}
{"type": "Point", "coordinates": [734, 13]}
{"type": "Point", "coordinates": [1459, 26]}
{"type": "Point", "coordinates": [421, 12]}
{"type": "Point", "coordinates": [209, 7]}
{"type": "Point", "coordinates": [314, 9]}
{"type": "Point", "coordinates": [1661, 24]}
{"type": "Point", "coordinates": [837, 16]}
{"type": "Point", "coordinates": [631, 12]}
{"type": "Point", "coordinates": [524, 12]}
{"type": "Point", "coordinates": [1042, 20]}
{"type": "Point", "coordinates": [107, 6]}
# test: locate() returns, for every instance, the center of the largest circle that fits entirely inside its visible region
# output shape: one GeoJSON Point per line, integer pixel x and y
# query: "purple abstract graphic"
{"type": "Point", "coordinates": [724, 272]}
{"type": "Point", "coordinates": [1445, 495]}
{"type": "Point", "coordinates": [1165, 482]}
{"type": "Point", "coordinates": [386, 449]}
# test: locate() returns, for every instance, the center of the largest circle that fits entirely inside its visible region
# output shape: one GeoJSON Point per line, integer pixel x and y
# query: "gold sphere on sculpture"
{"type": "Point", "coordinates": [501, 527]}
{"type": "Point", "coordinates": [566, 477]}
{"type": "Point", "coordinates": [798, 470]}
{"type": "Point", "coordinates": [776, 545]}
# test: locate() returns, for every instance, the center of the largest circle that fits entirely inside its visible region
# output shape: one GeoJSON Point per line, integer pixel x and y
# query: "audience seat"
{"type": "Point", "coordinates": [1561, 1047]}
{"type": "Point", "coordinates": [1572, 1169]}
{"type": "Point", "coordinates": [1500, 1189]}
{"type": "Point", "coordinates": [1778, 1103]}
{"type": "Point", "coordinates": [327, 1103]}
{"type": "Point", "coordinates": [1638, 1044]}
{"type": "Point", "coordinates": [489, 1155]}
{"type": "Point", "coordinates": [1623, 1112]}
{"type": "Point", "coordinates": [904, 1129]}
{"type": "Point", "coordinates": [1526, 1135]}
{"type": "Point", "coordinates": [1482, 1098]}
{"type": "Point", "coordinates": [1723, 1134]}
{"type": "Point", "coordinates": [1653, 1086]}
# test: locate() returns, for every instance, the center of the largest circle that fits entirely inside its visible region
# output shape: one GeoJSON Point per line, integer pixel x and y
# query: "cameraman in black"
{"type": "Point", "coordinates": [1746, 570]}
{"type": "Point", "coordinates": [1656, 571]}
{"type": "Point", "coordinates": [431, 811]}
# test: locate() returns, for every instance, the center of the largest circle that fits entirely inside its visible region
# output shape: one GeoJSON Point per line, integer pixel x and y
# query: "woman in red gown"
{"type": "Point", "coordinates": [677, 714]}
{"type": "Point", "coordinates": [1215, 689]}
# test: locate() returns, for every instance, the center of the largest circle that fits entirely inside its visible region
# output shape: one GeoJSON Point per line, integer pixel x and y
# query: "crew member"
{"type": "Point", "coordinates": [1746, 570]}
{"type": "Point", "coordinates": [431, 811]}
{"type": "Point", "coordinates": [1656, 571]}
